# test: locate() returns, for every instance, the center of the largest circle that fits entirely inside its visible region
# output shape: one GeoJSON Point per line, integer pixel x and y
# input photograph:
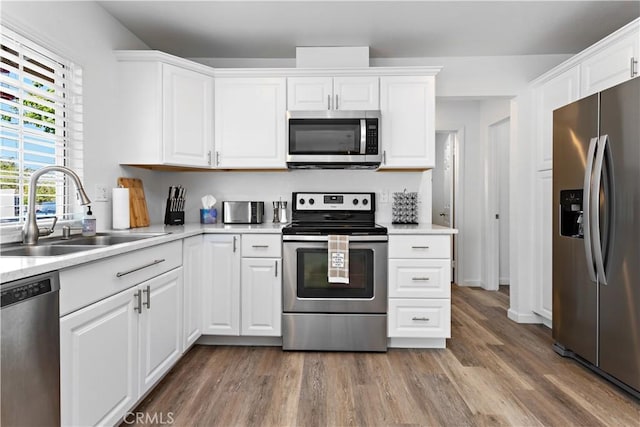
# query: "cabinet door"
{"type": "Point", "coordinates": [261, 296]}
{"type": "Point", "coordinates": [543, 225]}
{"type": "Point", "coordinates": [250, 123]}
{"type": "Point", "coordinates": [193, 267]}
{"type": "Point", "coordinates": [557, 92]}
{"type": "Point", "coordinates": [612, 65]}
{"type": "Point", "coordinates": [160, 338]}
{"type": "Point", "coordinates": [356, 93]}
{"type": "Point", "coordinates": [99, 360]}
{"type": "Point", "coordinates": [187, 117]}
{"type": "Point", "coordinates": [309, 93]}
{"type": "Point", "coordinates": [221, 288]}
{"type": "Point", "coordinates": [408, 121]}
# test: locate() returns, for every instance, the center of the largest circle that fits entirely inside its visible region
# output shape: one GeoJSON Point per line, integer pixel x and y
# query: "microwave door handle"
{"type": "Point", "coordinates": [363, 136]}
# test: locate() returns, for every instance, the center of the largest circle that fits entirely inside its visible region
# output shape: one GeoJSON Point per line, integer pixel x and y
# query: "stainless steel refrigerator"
{"type": "Point", "coordinates": [596, 233]}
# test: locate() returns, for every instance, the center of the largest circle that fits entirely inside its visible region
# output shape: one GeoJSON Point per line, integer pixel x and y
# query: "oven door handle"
{"type": "Point", "coordinates": [319, 238]}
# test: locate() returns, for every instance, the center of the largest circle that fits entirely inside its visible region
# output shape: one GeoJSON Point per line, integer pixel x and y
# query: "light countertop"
{"type": "Point", "coordinates": [418, 229]}
{"type": "Point", "coordinates": [14, 268]}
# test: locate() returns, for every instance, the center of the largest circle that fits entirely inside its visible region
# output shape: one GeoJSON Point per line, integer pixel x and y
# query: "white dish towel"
{"type": "Point", "coordinates": [338, 263]}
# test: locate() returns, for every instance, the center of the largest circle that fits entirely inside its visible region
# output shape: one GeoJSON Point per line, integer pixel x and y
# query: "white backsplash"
{"type": "Point", "coordinates": [270, 186]}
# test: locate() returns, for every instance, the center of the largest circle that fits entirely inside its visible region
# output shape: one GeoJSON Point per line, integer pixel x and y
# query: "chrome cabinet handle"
{"type": "Point", "coordinates": [217, 158]}
{"type": "Point", "coordinates": [276, 268]}
{"type": "Point", "coordinates": [209, 157]}
{"type": "Point", "coordinates": [419, 247]}
{"type": "Point", "coordinates": [328, 102]}
{"type": "Point", "coordinates": [148, 292]}
{"type": "Point", "coordinates": [384, 157]}
{"type": "Point", "coordinates": [259, 246]}
{"type": "Point", "coordinates": [138, 295]}
{"type": "Point", "coordinates": [336, 106]}
{"type": "Point", "coordinates": [634, 64]}
{"type": "Point", "coordinates": [234, 243]}
{"type": "Point", "coordinates": [421, 319]}
{"type": "Point", "coordinates": [133, 270]}
{"type": "Point", "coordinates": [416, 279]}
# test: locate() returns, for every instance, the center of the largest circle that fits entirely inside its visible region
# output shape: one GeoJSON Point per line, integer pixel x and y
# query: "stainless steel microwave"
{"type": "Point", "coordinates": [333, 139]}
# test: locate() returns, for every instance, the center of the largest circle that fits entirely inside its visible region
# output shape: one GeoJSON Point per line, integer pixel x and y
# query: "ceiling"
{"type": "Point", "coordinates": [392, 29]}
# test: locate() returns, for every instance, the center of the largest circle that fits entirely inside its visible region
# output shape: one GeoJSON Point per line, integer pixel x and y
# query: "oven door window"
{"type": "Point", "coordinates": [312, 275]}
{"type": "Point", "coordinates": [326, 136]}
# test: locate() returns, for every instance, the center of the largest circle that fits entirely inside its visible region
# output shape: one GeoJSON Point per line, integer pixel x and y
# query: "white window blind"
{"type": "Point", "coordinates": [40, 125]}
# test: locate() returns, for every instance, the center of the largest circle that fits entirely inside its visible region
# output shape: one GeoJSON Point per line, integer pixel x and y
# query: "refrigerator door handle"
{"type": "Point", "coordinates": [595, 207]}
{"type": "Point", "coordinates": [586, 208]}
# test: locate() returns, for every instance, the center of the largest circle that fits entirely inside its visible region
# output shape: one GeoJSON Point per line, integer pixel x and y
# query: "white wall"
{"type": "Point", "coordinates": [270, 186]}
{"type": "Point", "coordinates": [84, 33]}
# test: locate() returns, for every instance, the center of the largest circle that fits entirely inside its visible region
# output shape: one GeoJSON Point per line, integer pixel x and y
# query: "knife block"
{"type": "Point", "coordinates": [173, 217]}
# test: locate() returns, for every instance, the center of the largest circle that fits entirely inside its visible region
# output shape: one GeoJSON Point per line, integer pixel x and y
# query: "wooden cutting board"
{"type": "Point", "coordinates": [138, 213]}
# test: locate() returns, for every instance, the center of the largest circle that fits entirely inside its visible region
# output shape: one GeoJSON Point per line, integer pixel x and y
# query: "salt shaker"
{"type": "Point", "coordinates": [283, 212]}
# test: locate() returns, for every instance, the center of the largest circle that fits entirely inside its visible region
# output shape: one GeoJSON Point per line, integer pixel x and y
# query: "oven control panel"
{"type": "Point", "coordinates": [363, 202]}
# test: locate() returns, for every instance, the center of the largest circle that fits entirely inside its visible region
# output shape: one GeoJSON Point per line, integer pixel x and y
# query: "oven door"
{"type": "Point", "coordinates": [307, 290]}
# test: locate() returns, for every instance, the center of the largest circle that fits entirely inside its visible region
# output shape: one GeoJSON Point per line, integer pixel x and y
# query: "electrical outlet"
{"type": "Point", "coordinates": [101, 194]}
{"type": "Point", "coordinates": [384, 196]}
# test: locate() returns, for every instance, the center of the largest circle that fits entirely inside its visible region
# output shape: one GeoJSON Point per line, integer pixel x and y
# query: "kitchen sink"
{"type": "Point", "coordinates": [74, 244]}
{"type": "Point", "coordinates": [104, 239]}
{"type": "Point", "coordinates": [43, 250]}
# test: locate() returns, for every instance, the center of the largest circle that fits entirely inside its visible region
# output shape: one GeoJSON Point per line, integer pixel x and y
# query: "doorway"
{"type": "Point", "coordinates": [444, 178]}
{"type": "Point", "coordinates": [498, 206]}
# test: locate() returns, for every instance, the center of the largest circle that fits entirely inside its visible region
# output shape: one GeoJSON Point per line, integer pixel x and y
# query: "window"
{"type": "Point", "coordinates": [40, 125]}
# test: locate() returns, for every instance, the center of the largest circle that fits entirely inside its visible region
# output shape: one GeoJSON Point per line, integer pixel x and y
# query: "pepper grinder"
{"type": "Point", "coordinates": [276, 212]}
{"type": "Point", "coordinates": [283, 212]}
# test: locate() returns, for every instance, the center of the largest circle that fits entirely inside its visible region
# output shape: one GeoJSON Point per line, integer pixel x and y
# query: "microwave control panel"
{"type": "Point", "coordinates": [372, 136]}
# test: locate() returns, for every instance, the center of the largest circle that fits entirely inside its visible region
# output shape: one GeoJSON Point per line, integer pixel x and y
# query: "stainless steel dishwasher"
{"type": "Point", "coordinates": [30, 348]}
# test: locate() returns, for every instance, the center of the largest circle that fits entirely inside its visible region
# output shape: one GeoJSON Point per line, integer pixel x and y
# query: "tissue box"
{"type": "Point", "coordinates": [208, 216]}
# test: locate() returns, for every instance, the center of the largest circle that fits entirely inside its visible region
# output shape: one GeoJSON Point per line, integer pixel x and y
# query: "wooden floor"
{"type": "Point", "coordinates": [493, 372]}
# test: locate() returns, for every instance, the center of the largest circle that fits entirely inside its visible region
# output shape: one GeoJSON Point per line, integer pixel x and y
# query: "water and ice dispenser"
{"type": "Point", "coordinates": [571, 224]}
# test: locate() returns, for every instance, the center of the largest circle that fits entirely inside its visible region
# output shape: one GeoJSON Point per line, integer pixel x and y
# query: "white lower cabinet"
{"type": "Point", "coordinates": [160, 333]}
{"type": "Point", "coordinates": [114, 350]}
{"type": "Point", "coordinates": [193, 266]}
{"type": "Point", "coordinates": [221, 290]}
{"type": "Point", "coordinates": [242, 284]}
{"type": "Point", "coordinates": [261, 296]}
{"type": "Point", "coordinates": [419, 290]}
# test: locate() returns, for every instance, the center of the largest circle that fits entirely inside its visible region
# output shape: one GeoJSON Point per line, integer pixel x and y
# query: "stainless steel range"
{"type": "Point", "coordinates": [320, 314]}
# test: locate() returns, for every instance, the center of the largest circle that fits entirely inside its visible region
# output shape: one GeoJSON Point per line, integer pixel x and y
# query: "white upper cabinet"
{"type": "Point", "coordinates": [614, 64]}
{"type": "Point", "coordinates": [309, 93]}
{"type": "Point", "coordinates": [407, 104]}
{"type": "Point", "coordinates": [333, 93]}
{"type": "Point", "coordinates": [250, 123]}
{"type": "Point", "coordinates": [187, 121]}
{"type": "Point", "coordinates": [166, 112]}
{"type": "Point", "coordinates": [554, 93]}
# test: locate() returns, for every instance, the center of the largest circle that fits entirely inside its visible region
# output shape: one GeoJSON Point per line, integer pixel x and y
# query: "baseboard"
{"type": "Point", "coordinates": [417, 342]}
{"type": "Point", "coordinates": [471, 283]}
{"type": "Point", "coordinates": [504, 281]}
{"type": "Point", "coordinates": [524, 317]}
{"type": "Point", "coordinates": [233, 340]}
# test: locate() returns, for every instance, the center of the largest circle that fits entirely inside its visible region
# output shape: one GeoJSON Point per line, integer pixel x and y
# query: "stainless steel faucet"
{"type": "Point", "coordinates": [31, 231]}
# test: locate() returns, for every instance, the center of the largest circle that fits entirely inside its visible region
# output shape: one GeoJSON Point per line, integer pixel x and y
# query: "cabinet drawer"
{"type": "Point", "coordinates": [419, 246]}
{"type": "Point", "coordinates": [419, 278]}
{"type": "Point", "coordinates": [88, 283]}
{"type": "Point", "coordinates": [261, 245]}
{"type": "Point", "coordinates": [419, 318]}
